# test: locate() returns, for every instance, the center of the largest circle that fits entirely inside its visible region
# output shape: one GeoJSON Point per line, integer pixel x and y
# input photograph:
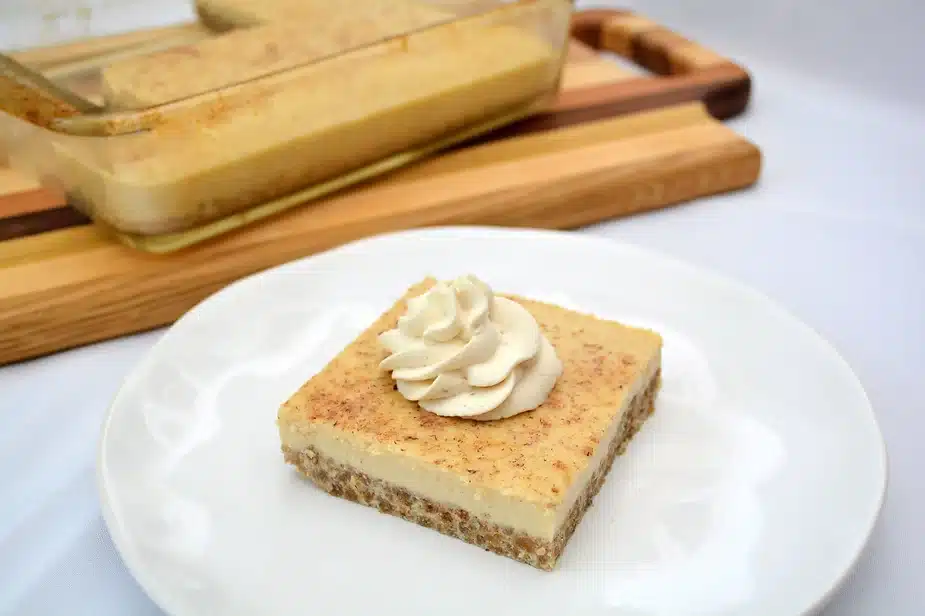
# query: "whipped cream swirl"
{"type": "Point", "coordinates": [459, 351]}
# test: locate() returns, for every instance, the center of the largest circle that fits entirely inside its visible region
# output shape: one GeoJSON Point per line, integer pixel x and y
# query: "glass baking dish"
{"type": "Point", "coordinates": [268, 104]}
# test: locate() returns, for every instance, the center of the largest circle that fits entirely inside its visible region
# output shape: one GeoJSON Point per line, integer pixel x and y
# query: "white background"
{"type": "Point", "coordinates": [835, 231]}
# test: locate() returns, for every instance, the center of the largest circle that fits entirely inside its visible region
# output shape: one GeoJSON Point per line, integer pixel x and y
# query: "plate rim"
{"type": "Point", "coordinates": [464, 232]}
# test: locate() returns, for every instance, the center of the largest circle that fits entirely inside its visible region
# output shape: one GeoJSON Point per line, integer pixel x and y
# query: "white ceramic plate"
{"type": "Point", "coordinates": [752, 490]}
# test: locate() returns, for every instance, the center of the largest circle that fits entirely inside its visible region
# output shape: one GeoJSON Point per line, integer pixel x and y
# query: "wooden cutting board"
{"type": "Point", "coordinates": [615, 143]}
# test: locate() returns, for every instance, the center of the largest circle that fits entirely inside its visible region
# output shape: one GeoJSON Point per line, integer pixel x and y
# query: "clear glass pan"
{"type": "Point", "coordinates": [266, 105]}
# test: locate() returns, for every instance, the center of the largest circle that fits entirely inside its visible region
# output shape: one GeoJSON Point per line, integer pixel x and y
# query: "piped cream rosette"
{"type": "Point", "coordinates": [459, 351]}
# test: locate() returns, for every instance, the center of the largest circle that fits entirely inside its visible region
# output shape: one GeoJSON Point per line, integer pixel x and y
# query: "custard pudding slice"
{"type": "Point", "coordinates": [493, 419]}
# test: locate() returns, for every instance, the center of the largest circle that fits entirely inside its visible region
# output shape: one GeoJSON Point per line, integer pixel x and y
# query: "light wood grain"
{"type": "Point", "coordinates": [592, 73]}
{"type": "Point", "coordinates": [12, 182]}
{"type": "Point", "coordinates": [53, 285]}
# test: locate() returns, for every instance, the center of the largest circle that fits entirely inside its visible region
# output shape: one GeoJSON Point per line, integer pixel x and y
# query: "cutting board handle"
{"type": "Point", "coordinates": [690, 72]}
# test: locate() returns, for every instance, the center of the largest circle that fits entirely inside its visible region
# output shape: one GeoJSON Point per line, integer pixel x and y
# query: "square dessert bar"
{"type": "Point", "coordinates": [516, 486]}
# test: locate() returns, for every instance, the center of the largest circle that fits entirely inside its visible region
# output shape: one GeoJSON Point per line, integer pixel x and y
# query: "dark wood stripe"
{"type": "Point", "coordinates": [41, 222]}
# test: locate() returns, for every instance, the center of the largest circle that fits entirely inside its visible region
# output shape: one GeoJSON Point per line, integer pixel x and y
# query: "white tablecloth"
{"type": "Point", "coordinates": [835, 232]}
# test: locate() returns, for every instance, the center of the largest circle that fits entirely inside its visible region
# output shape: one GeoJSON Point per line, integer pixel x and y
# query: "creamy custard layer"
{"type": "Point", "coordinates": [524, 472]}
{"type": "Point", "coordinates": [535, 517]}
